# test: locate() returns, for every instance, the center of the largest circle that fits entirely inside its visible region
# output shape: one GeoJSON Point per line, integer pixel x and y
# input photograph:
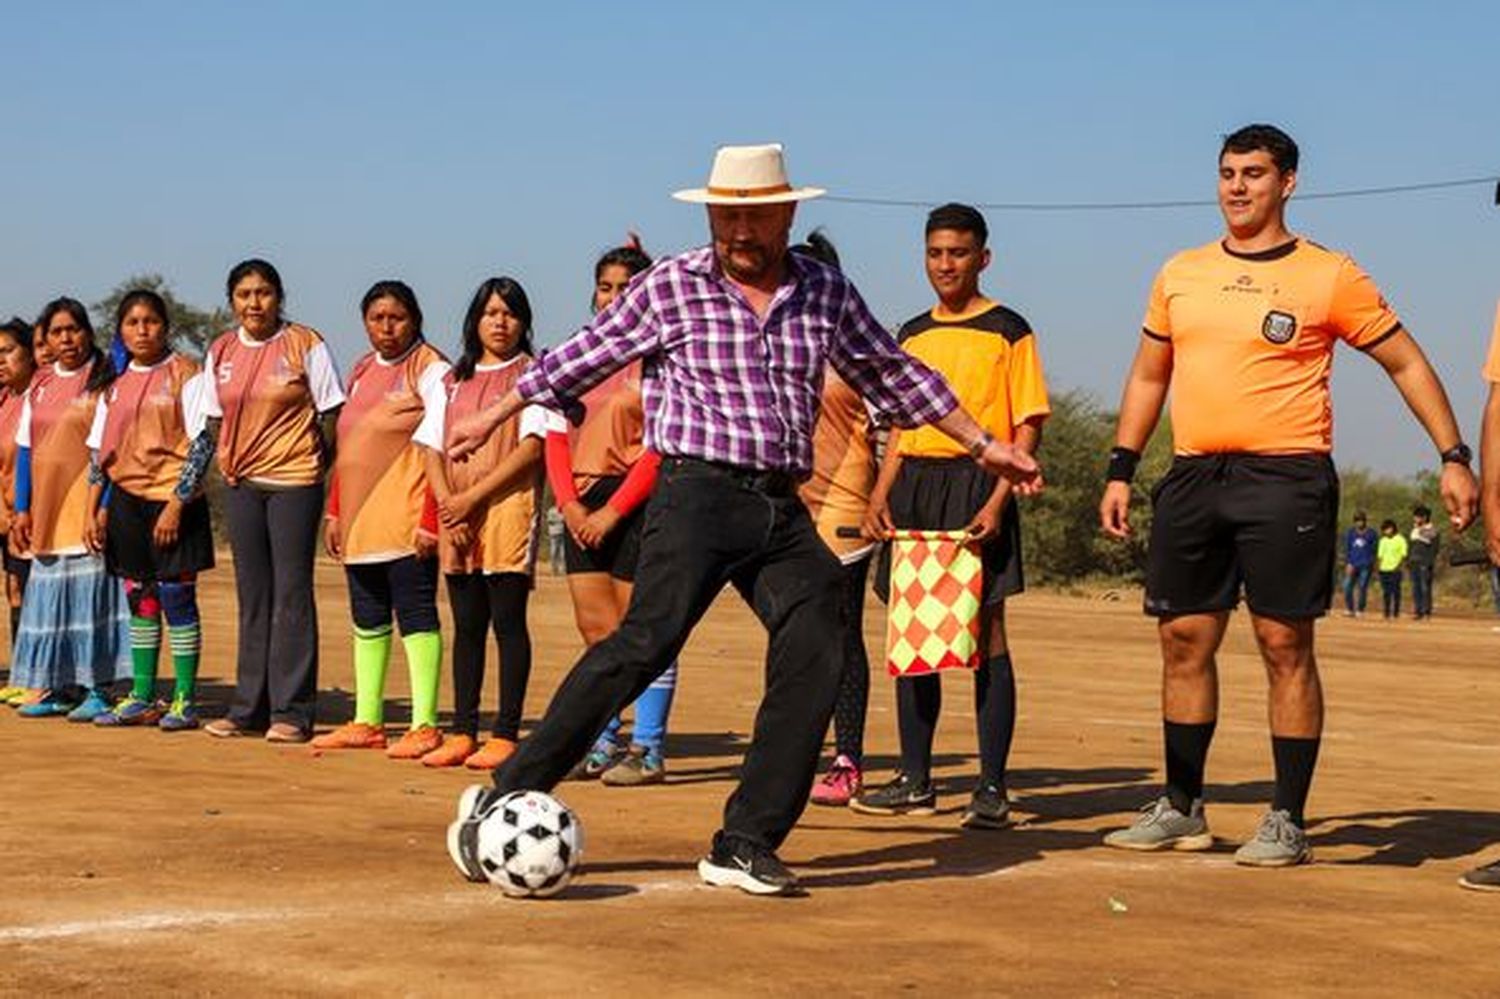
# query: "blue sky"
{"type": "Point", "coordinates": [445, 142]}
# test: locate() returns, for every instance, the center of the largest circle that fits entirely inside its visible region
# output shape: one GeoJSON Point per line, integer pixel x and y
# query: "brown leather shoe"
{"type": "Point", "coordinates": [286, 732]}
{"type": "Point", "coordinates": [225, 728]}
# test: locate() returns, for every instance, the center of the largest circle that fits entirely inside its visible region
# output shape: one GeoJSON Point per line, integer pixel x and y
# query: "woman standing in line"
{"type": "Point", "coordinates": [382, 525]}
{"type": "Point", "coordinates": [488, 505]}
{"type": "Point", "coordinates": [17, 367]}
{"type": "Point", "coordinates": [267, 384]}
{"type": "Point", "coordinates": [151, 449]}
{"type": "Point", "coordinates": [74, 630]}
{"type": "Point", "coordinates": [601, 476]}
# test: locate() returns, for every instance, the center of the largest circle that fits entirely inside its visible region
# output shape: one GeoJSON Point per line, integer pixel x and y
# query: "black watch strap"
{"type": "Point", "coordinates": [1458, 454]}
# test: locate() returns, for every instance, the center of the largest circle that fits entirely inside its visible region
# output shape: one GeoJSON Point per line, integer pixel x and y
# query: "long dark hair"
{"type": "Point", "coordinates": [152, 301]}
{"type": "Point", "coordinates": [102, 373]}
{"type": "Point", "coordinates": [514, 297]}
{"type": "Point", "coordinates": [401, 292]}
{"type": "Point", "coordinates": [263, 270]}
{"type": "Point", "coordinates": [18, 330]}
{"type": "Point", "coordinates": [820, 248]}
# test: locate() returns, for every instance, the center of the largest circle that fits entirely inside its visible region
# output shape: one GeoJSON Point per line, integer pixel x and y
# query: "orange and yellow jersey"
{"type": "Point", "coordinates": [1492, 361]}
{"type": "Point", "coordinates": [1252, 340]}
{"type": "Point", "coordinates": [11, 405]}
{"type": "Point", "coordinates": [382, 486]}
{"type": "Point", "coordinates": [609, 442]}
{"type": "Point", "coordinates": [144, 422]}
{"type": "Point", "coordinates": [506, 524]}
{"type": "Point", "coordinates": [54, 424]}
{"type": "Point", "coordinates": [269, 394]}
{"type": "Point", "coordinates": [989, 357]}
{"type": "Point", "coordinates": [843, 472]}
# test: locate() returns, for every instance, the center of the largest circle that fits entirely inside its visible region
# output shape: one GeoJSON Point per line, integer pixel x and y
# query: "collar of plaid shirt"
{"type": "Point", "coordinates": [723, 384]}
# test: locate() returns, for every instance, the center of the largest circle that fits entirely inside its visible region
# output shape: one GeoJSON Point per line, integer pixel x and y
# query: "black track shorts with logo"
{"type": "Point", "coordinates": [1268, 523]}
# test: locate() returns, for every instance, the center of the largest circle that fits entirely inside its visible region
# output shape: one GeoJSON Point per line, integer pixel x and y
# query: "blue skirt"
{"type": "Point", "coordinates": [75, 625]}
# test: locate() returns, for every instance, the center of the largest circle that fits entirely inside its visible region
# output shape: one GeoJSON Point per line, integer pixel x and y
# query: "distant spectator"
{"type": "Point", "coordinates": [1422, 558]}
{"type": "Point", "coordinates": [1359, 563]}
{"type": "Point", "coordinates": [555, 528]}
{"type": "Point", "coordinates": [1390, 556]}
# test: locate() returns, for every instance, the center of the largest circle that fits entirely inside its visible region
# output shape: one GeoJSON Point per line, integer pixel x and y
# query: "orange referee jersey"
{"type": "Point", "coordinates": [1252, 340]}
{"type": "Point", "coordinates": [1492, 362]}
{"type": "Point", "coordinates": [989, 356]}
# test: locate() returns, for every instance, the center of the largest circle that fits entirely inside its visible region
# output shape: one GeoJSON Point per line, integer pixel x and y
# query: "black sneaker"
{"type": "Point", "coordinates": [735, 863]}
{"type": "Point", "coordinates": [463, 832]}
{"type": "Point", "coordinates": [988, 808]}
{"type": "Point", "coordinates": [902, 796]}
{"type": "Point", "coordinates": [1486, 878]}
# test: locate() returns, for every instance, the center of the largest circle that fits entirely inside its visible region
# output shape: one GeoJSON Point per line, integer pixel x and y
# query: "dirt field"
{"type": "Point", "coordinates": [143, 863]}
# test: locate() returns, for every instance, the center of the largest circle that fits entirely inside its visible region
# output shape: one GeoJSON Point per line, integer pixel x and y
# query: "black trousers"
{"type": "Point", "coordinates": [274, 536]}
{"type": "Point", "coordinates": [707, 525]}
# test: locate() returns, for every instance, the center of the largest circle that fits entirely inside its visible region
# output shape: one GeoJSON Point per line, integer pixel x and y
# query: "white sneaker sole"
{"type": "Point", "coordinates": [1464, 882]}
{"type": "Point", "coordinates": [732, 877]}
{"type": "Point", "coordinates": [1186, 844]}
{"type": "Point", "coordinates": [1305, 857]}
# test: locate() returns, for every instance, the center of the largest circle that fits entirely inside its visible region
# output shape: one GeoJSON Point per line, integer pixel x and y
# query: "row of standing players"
{"type": "Point", "coordinates": [102, 473]}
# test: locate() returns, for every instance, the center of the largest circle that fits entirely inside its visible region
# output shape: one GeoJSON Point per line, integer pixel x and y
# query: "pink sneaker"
{"type": "Point", "coordinates": [841, 783]}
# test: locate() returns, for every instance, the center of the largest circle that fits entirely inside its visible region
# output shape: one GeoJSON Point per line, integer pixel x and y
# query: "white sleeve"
{"type": "Point", "coordinates": [210, 389]}
{"type": "Point", "coordinates": [429, 432]}
{"type": "Point", "coordinates": [430, 385]}
{"type": "Point", "coordinates": [323, 379]}
{"type": "Point", "coordinates": [96, 429]}
{"type": "Point", "coordinates": [23, 427]}
{"type": "Point", "coordinates": [537, 420]}
{"type": "Point", "coordinates": [195, 412]}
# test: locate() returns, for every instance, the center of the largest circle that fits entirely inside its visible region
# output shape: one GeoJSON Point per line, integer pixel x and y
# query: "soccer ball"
{"type": "Point", "coordinates": [529, 844]}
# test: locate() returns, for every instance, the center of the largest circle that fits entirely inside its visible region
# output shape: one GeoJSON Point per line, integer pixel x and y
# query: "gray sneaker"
{"type": "Point", "coordinates": [1160, 826]}
{"type": "Point", "coordinates": [1278, 842]}
{"type": "Point", "coordinates": [1486, 878]}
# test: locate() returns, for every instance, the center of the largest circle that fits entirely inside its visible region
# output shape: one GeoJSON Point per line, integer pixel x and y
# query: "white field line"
{"type": "Point", "coordinates": [141, 922]}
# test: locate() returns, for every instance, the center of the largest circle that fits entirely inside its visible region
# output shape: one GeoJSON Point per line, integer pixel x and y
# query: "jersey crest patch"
{"type": "Point", "coordinates": [1279, 327]}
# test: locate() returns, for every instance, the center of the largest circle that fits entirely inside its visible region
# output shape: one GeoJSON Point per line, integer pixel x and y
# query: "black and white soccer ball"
{"type": "Point", "coordinates": [529, 844]}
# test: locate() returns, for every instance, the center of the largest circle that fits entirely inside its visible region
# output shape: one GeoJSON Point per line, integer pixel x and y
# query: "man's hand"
{"type": "Point", "coordinates": [168, 524]}
{"type": "Point", "coordinates": [1460, 494]}
{"type": "Point", "coordinates": [597, 525]}
{"type": "Point", "coordinates": [1014, 464]}
{"type": "Point", "coordinates": [469, 434]}
{"type": "Point", "coordinates": [93, 531]}
{"type": "Point", "coordinates": [331, 543]}
{"type": "Point", "coordinates": [1114, 509]}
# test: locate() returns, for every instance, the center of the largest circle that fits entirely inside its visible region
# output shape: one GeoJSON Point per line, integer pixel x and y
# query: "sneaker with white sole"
{"type": "Point", "coordinates": [1278, 842]}
{"type": "Point", "coordinates": [734, 863]}
{"type": "Point", "coordinates": [463, 832]}
{"type": "Point", "coordinates": [1160, 826]}
{"type": "Point", "coordinates": [1486, 878]}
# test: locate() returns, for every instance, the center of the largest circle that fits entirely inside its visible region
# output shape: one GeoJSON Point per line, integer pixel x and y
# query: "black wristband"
{"type": "Point", "coordinates": [1458, 454]}
{"type": "Point", "coordinates": [1122, 463]}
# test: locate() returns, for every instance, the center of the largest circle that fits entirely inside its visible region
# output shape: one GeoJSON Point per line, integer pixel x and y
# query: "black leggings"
{"type": "Point", "coordinates": [854, 680]}
{"type": "Point", "coordinates": [479, 603]}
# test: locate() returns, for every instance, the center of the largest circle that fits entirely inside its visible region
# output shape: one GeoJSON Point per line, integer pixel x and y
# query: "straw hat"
{"type": "Point", "coordinates": [748, 175]}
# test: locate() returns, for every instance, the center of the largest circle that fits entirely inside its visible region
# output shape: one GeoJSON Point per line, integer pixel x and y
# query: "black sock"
{"type": "Point", "coordinates": [15, 625]}
{"type": "Point", "coordinates": [1295, 760]}
{"type": "Point", "coordinates": [1187, 754]}
{"type": "Point", "coordinates": [995, 716]}
{"type": "Point", "coordinates": [919, 699]}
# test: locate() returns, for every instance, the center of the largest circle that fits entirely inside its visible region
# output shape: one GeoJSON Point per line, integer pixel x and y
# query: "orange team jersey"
{"type": "Point", "coordinates": [59, 410]}
{"type": "Point", "coordinates": [843, 472]}
{"type": "Point", "coordinates": [1492, 362]}
{"type": "Point", "coordinates": [1252, 340]}
{"type": "Point", "coordinates": [269, 394]}
{"type": "Point", "coordinates": [990, 359]}
{"type": "Point", "coordinates": [381, 482]}
{"type": "Point", "coordinates": [144, 423]}
{"type": "Point", "coordinates": [11, 404]}
{"type": "Point", "coordinates": [506, 524]}
{"type": "Point", "coordinates": [609, 441]}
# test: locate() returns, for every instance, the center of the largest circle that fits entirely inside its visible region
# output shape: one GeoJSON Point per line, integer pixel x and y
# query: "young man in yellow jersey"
{"type": "Point", "coordinates": [1242, 331]}
{"type": "Point", "coordinates": [989, 355]}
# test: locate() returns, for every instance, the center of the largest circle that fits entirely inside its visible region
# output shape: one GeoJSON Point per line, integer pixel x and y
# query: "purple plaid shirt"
{"type": "Point", "coordinates": [720, 384]}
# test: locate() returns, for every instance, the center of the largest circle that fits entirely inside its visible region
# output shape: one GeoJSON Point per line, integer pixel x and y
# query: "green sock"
{"type": "Point", "coordinates": [372, 651]}
{"type": "Point", "coordinates": [186, 642]}
{"type": "Point", "coordinates": [145, 645]}
{"type": "Point", "coordinates": [424, 658]}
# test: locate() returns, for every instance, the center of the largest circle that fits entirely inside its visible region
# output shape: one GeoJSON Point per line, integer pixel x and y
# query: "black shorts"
{"type": "Point", "coordinates": [129, 551]}
{"type": "Point", "coordinates": [944, 494]}
{"type": "Point", "coordinates": [14, 565]}
{"type": "Point", "coordinates": [1268, 523]}
{"type": "Point", "coordinates": [622, 546]}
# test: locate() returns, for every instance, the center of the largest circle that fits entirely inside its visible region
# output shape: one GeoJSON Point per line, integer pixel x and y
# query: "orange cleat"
{"type": "Point", "coordinates": [453, 751]}
{"type": "Point", "coordinates": [415, 743]}
{"type": "Point", "coordinates": [355, 735]}
{"type": "Point", "coordinates": [495, 752]}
